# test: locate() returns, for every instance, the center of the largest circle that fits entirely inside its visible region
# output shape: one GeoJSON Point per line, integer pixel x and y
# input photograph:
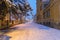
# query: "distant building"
{"type": "Point", "coordinates": [48, 13]}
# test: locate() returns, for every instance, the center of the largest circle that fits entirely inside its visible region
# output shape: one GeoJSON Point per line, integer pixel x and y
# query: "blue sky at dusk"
{"type": "Point", "coordinates": [33, 6]}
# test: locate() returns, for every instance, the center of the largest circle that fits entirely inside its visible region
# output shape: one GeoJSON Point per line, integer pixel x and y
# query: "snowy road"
{"type": "Point", "coordinates": [33, 31]}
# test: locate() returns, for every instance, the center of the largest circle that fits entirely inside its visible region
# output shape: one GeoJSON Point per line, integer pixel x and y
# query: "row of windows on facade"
{"type": "Point", "coordinates": [44, 5]}
{"type": "Point", "coordinates": [45, 15]}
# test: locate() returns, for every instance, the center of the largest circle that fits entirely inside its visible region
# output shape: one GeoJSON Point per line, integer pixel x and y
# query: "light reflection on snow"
{"type": "Point", "coordinates": [33, 31]}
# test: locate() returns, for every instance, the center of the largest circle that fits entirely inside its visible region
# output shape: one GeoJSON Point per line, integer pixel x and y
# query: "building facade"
{"type": "Point", "coordinates": [39, 11]}
{"type": "Point", "coordinates": [48, 13]}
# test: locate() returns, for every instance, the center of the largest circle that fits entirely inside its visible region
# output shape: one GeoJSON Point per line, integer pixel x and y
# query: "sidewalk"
{"type": "Point", "coordinates": [33, 31]}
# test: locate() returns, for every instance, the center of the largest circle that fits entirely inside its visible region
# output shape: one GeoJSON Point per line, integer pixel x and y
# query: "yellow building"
{"type": "Point", "coordinates": [39, 11]}
{"type": "Point", "coordinates": [49, 13]}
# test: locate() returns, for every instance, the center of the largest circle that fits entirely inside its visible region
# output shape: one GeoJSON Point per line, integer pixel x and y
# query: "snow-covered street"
{"type": "Point", "coordinates": [33, 31]}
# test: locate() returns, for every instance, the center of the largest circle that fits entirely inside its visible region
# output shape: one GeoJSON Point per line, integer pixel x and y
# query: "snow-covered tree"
{"type": "Point", "coordinates": [18, 8]}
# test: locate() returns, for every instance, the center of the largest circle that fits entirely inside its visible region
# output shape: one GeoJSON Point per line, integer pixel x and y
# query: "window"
{"type": "Point", "coordinates": [40, 7]}
{"type": "Point", "coordinates": [48, 23]}
{"type": "Point", "coordinates": [46, 14]}
{"type": "Point", "coordinates": [45, 5]}
{"type": "Point", "coordinates": [40, 0]}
